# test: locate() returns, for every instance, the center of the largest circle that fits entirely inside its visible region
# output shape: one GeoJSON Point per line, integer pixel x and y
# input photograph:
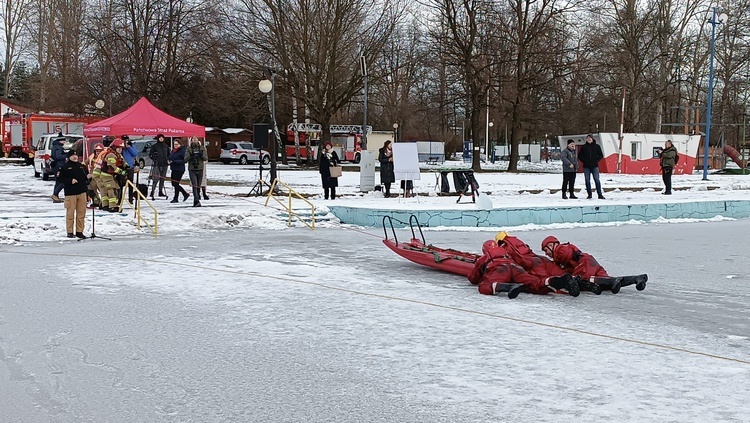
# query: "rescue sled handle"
{"type": "Point", "coordinates": [412, 221]}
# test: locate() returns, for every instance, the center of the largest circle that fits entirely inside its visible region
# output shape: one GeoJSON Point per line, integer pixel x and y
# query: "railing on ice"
{"type": "Point", "coordinates": [138, 205]}
{"type": "Point", "coordinates": [288, 207]}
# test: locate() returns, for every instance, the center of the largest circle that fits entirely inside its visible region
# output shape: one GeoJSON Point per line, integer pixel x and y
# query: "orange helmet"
{"type": "Point", "coordinates": [99, 146]}
{"type": "Point", "coordinates": [549, 240]}
{"type": "Point", "coordinates": [117, 143]}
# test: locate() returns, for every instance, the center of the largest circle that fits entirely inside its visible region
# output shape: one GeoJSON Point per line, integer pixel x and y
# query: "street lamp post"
{"type": "Point", "coordinates": [715, 20]}
{"type": "Point", "coordinates": [267, 87]}
{"type": "Point", "coordinates": [487, 155]}
{"type": "Point", "coordinates": [395, 132]}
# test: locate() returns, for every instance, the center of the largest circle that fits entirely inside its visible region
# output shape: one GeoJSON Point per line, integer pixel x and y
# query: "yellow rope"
{"type": "Point", "coordinates": [412, 301]}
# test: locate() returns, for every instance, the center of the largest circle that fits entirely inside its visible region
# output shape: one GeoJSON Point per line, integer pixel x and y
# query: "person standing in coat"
{"type": "Point", "coordinates": [160, 155]}
{"type": "Point", "coordinates": [196, 157]}
{"type": "Point", "coordinates": [327, 159]}
{"type": "Point", "coordinates": [387, 177]}
{"type": "Point", "coordinates": [73, 176]}
{"type": "Point", "coordinates": [177, 165]}
{"type": "Point", "coordinates": [129, 154]}
{"type": "Point", "coordinates": [58, 160]}
{"type": "Point", "coordinates": [590, 155]}
{"type": "Point", "coordinates": [667, 162]}
{"type": "Point", "coordinates": [570, 167]}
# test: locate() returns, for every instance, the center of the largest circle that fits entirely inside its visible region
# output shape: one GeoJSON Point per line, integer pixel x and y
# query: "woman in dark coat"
{"type": "Point", "coordinates": [327, 159]}
{"type": "Point", "coordinates": [177, 165]}
{"type": "Point", "coordinates": [387, 177]}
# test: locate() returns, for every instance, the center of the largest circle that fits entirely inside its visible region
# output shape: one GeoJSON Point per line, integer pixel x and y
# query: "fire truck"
{"type": "Point", "coordinates": [309, 138]}
{"type": "Point", "coordinates": [345, 139]}
{"type": "Point", "coordinates": [18, 131]}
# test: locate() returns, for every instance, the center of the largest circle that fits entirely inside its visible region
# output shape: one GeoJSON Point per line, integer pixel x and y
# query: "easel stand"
{"type": "Point", "coordinates": [471, 185]}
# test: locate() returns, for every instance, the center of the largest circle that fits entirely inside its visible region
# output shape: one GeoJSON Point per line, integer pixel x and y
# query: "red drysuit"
{"type": "Point", "coordinates": [495, 267]}
{"type": "Point", "coordinates": [521, 254]}
{"type": "Point", "coordinates": [576, 262]}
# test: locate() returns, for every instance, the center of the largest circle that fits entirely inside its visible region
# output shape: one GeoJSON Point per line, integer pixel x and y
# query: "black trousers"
{"type": "Point", "coordinates": [175, 178]}
{"type": "Point", "coordinates": [666, 176]}
{"type": "Point", "coordinates": [569, 181]}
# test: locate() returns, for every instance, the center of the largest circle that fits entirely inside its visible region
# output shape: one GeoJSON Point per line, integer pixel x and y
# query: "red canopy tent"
{"type": "Point", "coordinates": [143, 118]}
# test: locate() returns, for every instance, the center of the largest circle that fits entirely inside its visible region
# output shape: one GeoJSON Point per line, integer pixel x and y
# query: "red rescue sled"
{"type": "Point", "coordinates": [443, 259]}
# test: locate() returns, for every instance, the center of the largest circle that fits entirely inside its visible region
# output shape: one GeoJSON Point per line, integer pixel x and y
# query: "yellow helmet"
{"type": "Point", "coordinates": [500, 236]}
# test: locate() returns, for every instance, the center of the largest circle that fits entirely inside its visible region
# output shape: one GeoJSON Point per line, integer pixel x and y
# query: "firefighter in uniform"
{"type": "Point", "coordinates": [91, 167]}
{"type": "Point", "coordinates": [96, 176]}
{"type": "Point", "coordinates": [112, 166]}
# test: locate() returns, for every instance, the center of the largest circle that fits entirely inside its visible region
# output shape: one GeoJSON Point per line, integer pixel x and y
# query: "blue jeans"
{"type": "Point", "coordinates": [587, 172]}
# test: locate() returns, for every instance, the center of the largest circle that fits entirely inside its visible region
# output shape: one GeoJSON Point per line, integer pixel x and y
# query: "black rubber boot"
{"type": "Point", "coordinates": [585, 285]}
{"type": "Point", "coordinates": [638, 280]}
{"type": "Point", "coordinates": [513, 289]}
{"type": "Point", "coordinates": [610, 283]}
{"type": "Point", "coordinates": [565, 282]}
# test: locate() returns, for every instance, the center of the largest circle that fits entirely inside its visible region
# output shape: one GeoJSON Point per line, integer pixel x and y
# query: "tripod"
{"type": "Point", "coordinates": [93, 227]}
{"type": "Point", "coordinates": [257, 189]}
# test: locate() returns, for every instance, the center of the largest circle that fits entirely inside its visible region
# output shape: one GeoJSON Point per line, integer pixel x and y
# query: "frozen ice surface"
{"type": "Point", "coordinates": [257, 322]}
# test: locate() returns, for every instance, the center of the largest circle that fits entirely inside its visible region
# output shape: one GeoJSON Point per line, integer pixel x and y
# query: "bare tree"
{"type": "Point", "coordinates": [464, 28]}
{"type": "Point", "coordinates": [317, 45]}
{"type": "Point", "coordinates": [533, 29]}
{"type": "Point", "coordinates": [14, 14]}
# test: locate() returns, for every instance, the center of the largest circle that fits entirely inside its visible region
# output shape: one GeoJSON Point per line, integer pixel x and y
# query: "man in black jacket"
{"type": "Point", "coordinates": [58, 160]}
{"type": "Point", "coordinates": [160, 155]}
{"type": "Point", "coordinates": [589, 155]}
{"type": "Point", "coordinates": [74, 176]}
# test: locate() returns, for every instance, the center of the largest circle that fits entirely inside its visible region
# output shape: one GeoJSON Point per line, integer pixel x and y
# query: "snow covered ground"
{"type": "Point", "coordinates": [231, 316]}
{"type": "Point", "coordinates": [28, 215]}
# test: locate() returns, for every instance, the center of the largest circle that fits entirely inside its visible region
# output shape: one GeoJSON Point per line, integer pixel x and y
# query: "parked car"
{"type": "Point", "coordinates": [143, 147]}
{"type": "Point", "coordinates": [243, 152]}
{"type": "Point", "coordinates": [43, 152]}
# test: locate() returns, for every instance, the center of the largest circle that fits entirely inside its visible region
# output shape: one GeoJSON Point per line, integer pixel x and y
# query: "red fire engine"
{"type": "Point", "coordinates": [19, 130]}
{"type": "Point", "coordinates": [346, 140]}
{"type": "Point", "coordinates": [306, 132]}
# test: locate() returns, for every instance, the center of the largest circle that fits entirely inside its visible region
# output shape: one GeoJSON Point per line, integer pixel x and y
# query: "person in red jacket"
{"type": "Point", "coordinates": [584, 265]}
{"type": "Point", "coordinates": [495, 272]}
{"type": "Point", "coordinates": [539, 266]}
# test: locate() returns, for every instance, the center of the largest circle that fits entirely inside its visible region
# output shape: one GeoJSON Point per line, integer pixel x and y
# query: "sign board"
{"type": "Point", "coordinates": [405, 161]}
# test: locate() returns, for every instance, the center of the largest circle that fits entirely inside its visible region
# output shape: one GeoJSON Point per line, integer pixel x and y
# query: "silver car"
{"type": "Point", "coordinates": [143, 147]}
{"type": "Point", "coordinates": [243, 152]}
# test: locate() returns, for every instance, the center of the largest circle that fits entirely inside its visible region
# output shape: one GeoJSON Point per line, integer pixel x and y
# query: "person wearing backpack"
{"type": "Point", "coordinates": [667, 160]}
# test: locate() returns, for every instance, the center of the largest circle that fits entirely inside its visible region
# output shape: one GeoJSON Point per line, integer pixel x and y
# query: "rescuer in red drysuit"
{"type": "Point", "coordinates": [584, 265]}
{"type": "Point", "coordinates": [537, 265]}
{"type": "Point", "coordinates": [522, 255]}
{"type": "Point", "coordinates": [495, 272]}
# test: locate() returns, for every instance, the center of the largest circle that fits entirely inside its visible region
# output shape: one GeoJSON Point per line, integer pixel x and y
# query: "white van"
{"type": "Point", "coordinates": [43, 153]}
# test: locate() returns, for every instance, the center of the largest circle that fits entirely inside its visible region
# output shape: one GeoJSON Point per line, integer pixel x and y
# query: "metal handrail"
{"type": "Point", "coordinates": [140, 200]}
{"type": "Point", "coordinates": [288, 207]}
